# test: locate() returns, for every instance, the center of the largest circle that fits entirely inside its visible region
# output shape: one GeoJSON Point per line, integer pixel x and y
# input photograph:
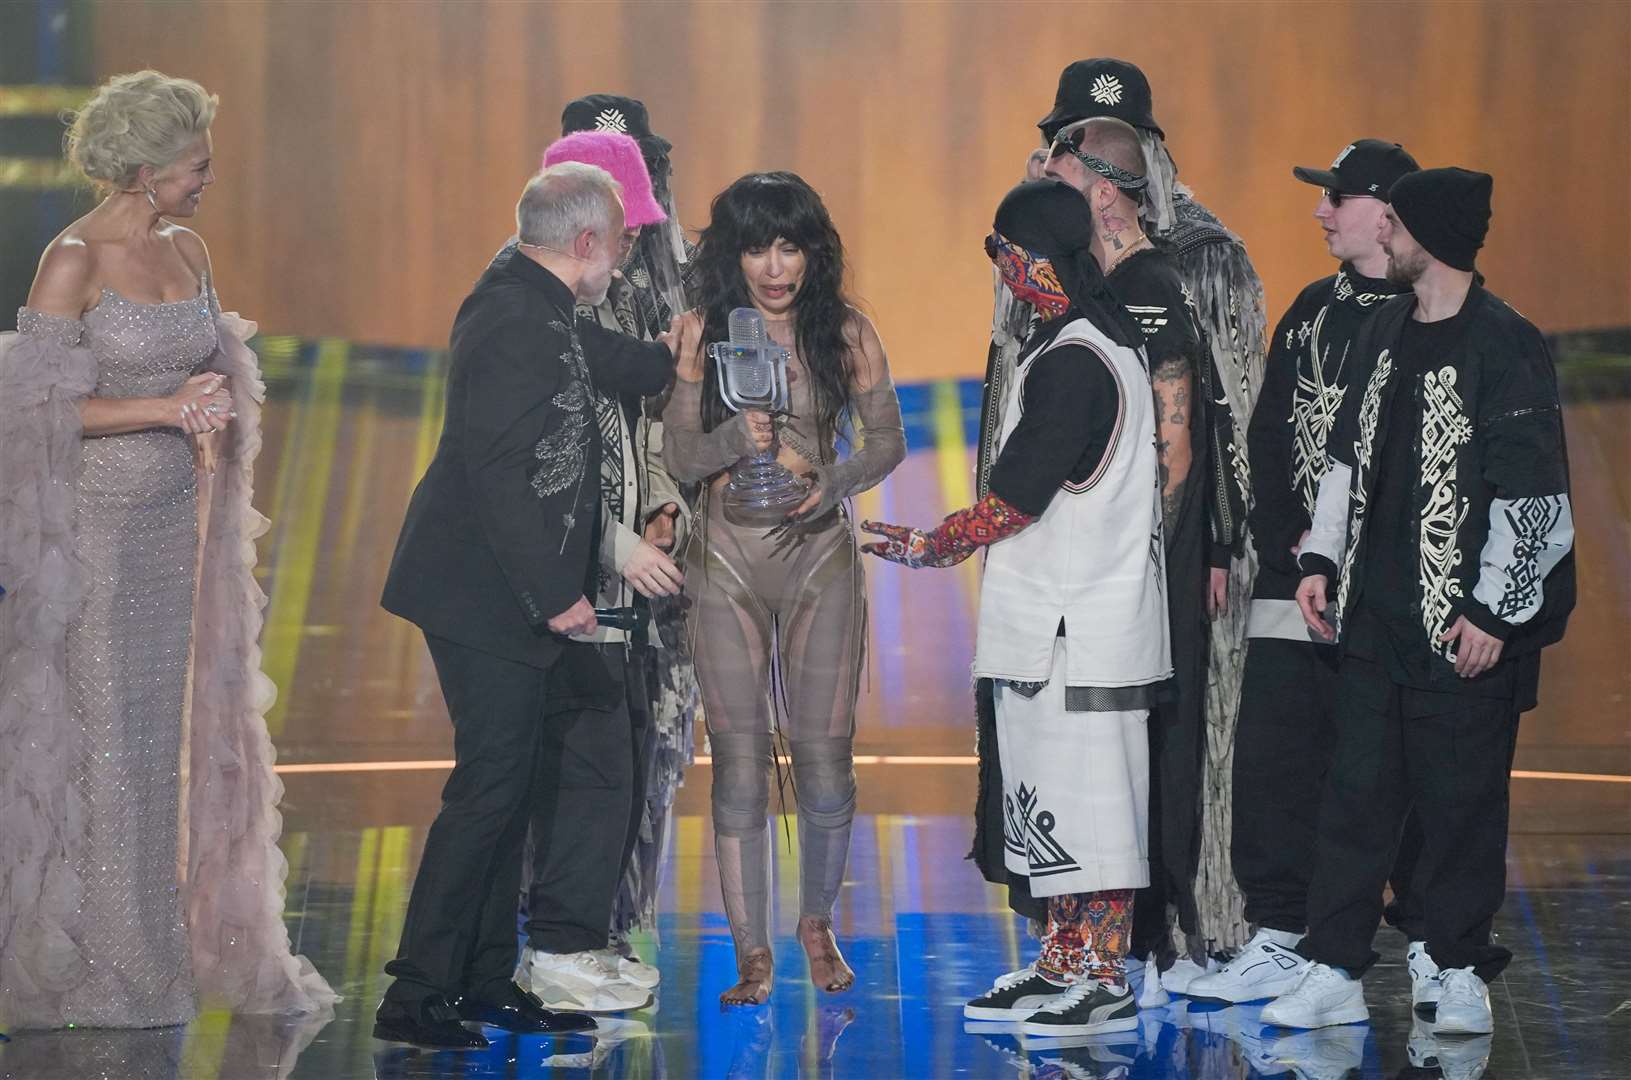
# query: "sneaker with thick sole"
{"type": "Point", "coordinates": [631, 969]}
{"type": "Point", "coordinates": [1425, 987]}
{"type": "Point", "coordinates": [1463, 1008]}
{"type": "Point", "coordinates": [1014, 996]}
{"type": "Point", "coordinates": [578, 982]}
{"type": "Point", "coordinates": [1089, 1007]}
{"type": "Point", "coordinates": [1322, 997]}
{"type": "Point", "coordinates": [1176, 979]}
{"type": "Point", "coordinates": [1266, 968]}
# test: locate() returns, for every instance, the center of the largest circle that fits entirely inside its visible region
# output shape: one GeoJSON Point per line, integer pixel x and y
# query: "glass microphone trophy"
{"type": "Point", "coordinates": [753, 375]}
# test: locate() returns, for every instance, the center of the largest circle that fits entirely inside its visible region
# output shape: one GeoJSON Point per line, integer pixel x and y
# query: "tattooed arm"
{"type": "Point", "coordinates": [1174, 382]}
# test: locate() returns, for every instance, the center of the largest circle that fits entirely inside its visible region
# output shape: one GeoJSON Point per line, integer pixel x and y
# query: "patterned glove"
{"type": "Point", "coordinates": [953, 540]}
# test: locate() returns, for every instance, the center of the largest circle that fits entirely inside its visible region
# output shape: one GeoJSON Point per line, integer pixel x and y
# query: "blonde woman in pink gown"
{"type": "Point", "coordinates": [132, 881]}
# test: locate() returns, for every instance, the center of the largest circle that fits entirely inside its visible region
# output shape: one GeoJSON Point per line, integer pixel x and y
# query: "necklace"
{"type": "Point", "coordinates": [1140, 244]}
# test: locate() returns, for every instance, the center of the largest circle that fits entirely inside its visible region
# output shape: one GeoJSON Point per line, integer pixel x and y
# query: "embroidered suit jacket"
{"type": "Point", "coordinates": [502, 532]}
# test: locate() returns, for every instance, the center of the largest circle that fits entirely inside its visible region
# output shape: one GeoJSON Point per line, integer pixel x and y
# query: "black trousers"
{"type": "Point", "coordinates": [459, 933]}
{"type": "Point", "coordinates": [585, 825]}
{"type": "Point", "coordinates": [1450, 755]}
{"type": "Point", "coordinates": [1177, 731]}
{"type": "Point", "coordinates": [1283, 745]}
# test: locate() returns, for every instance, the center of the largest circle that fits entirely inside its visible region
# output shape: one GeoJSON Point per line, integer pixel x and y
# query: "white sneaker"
{"type": "Point", "coordinates": [1329, 1054]}
{"type": "Point", "coordinates": [1151, 994]}
{"type": "Point", "coordinates": [1456, 1058]}
{"type": "Point", "coordinates": [1322, 997]}
{"type": "Point", "coordinates": [577, 982]}
{"type": "Point", "coordinates": [1266, 968]}
{"type": "Point", "coordinates": [1463, 1008]}
{"type": "Point", "coordinates": [631, 969]}
{"type": "Point", "coordinates": [1425, 987]}
{"type": "Point", "coordinates": [1176, 979]}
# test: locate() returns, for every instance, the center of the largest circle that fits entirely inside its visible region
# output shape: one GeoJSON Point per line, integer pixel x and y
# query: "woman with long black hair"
{"type": "Point", "coordinates": [779, 616]}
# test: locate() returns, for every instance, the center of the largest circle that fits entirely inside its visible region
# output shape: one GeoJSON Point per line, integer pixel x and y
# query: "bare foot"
{"type": "Point", "coordinates": [827, 967]}
{"type": "Point", "coordinates": [757, 970]}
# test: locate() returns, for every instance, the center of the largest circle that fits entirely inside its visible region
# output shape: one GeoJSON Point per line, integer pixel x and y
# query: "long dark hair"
{"type": "Point", "coordinates": [752, 213]}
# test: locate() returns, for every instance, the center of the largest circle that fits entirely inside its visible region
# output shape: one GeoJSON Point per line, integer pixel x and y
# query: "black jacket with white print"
{"type": "Point", "coordinates": [1493, 525]}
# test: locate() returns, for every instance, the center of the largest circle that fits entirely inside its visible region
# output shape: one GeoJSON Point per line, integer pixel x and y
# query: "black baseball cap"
{"type": "Point", "coordinates": [1365, 167]}
{"type": "Point", "coordinates": [1102, 86]}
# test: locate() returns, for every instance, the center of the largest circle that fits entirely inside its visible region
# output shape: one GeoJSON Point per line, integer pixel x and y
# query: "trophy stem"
{"type": "Point", "coordinates": [761, 491]}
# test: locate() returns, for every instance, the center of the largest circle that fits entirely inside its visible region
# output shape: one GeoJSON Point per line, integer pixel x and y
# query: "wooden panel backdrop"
{"type": "Point", "coordinates": [370, 153]}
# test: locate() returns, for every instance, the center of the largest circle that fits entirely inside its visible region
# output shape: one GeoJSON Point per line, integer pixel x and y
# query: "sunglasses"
{"type": "Point", "coordinates": [1066, 141]}
{"type": "Point", "coordinates": [1335, 197]}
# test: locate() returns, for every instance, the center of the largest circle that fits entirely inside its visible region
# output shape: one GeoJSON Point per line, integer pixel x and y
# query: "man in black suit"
{"type": "Point", "coordinates": [494, 564]}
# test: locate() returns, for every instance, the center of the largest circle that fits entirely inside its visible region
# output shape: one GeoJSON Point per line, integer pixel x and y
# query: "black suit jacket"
{"type": "Point", "coordinates": [501, 533]}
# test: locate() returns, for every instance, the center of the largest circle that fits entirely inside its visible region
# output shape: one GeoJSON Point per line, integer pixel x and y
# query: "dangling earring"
{"type": "Point", "coordinates": [151, 201]}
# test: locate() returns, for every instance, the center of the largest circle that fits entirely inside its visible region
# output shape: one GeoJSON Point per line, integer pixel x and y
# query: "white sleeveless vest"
{"type": "Point", "coordinates": [1094, 558]}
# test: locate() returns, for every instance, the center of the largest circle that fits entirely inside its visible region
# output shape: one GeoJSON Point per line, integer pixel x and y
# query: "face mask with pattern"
{"type": "Point", "coordinates": [1029, 275]}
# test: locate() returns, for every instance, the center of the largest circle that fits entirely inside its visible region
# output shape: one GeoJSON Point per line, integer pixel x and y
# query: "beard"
{"type": "Point", "coordinates": [596, 288]}
{"type": "Point", "coordinates": [1406, 269]}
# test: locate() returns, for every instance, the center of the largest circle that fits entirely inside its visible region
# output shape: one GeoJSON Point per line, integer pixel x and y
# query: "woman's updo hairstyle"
{"type": "Point", "coordinates": [143, 118]}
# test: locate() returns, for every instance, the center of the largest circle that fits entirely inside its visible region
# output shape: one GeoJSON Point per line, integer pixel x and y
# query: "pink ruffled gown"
{"type": "Point", "coordinates": [106, 918]}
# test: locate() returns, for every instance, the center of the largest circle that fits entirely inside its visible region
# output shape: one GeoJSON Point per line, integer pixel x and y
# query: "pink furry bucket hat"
{"type": "Point", "coordinates": [619, 155]}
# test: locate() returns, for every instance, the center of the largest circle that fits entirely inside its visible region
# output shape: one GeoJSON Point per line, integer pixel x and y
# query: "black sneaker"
{"type": "Point", "coordinates": [1014, 996]}
{"type": "Point", "coordinates": [1088, 1007]}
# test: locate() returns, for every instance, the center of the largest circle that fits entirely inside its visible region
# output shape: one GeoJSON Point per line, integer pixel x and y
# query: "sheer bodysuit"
{"type": "Point", "coordinates": [779, 625]}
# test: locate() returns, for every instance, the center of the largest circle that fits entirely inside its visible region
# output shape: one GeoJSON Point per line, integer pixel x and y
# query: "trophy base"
{"type": "Point", "coordinates": [761, 495]}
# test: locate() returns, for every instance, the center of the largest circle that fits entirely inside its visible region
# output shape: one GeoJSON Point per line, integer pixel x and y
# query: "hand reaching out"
{"type": "Point", "coordinates": [900, 544]}
{"type": "Point", "coordinates": [651, 572]}
{"type": "Point", "coordinates": [953, 540]}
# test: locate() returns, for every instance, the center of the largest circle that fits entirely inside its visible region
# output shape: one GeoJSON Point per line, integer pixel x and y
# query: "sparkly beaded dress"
{"type": "Point", "coordinates": [138, 859]}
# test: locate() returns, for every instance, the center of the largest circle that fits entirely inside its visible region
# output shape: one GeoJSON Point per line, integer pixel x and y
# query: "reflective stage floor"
{"type": "Point", "coordinates": [363, 740]}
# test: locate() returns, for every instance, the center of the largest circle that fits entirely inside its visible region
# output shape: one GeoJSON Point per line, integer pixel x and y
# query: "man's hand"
{"type": "Point", "coordinates": [579, 619]}
{"type": "Point", "coordinates": [1217, 593]}
{"type": "Point", "coordinates": [1475, 651]}
{"type": "Point", "coordinates": [684, 341]}
{"type": "Point", "coordinates": [660, 527]}
{"type": "Point", "coordinates": [1311, 601]}
{"type": "Point", "coordinates": [651, 572]}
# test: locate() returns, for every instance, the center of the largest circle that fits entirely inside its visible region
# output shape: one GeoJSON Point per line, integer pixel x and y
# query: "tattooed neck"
{"type": "Point", "coordinates": [1116, 233]}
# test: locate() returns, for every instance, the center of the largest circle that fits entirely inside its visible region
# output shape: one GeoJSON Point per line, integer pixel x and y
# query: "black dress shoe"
{"type": "Point", "coordinates": [515, 1009]}
{"type": "Point", "coordinates": [431, 1023]}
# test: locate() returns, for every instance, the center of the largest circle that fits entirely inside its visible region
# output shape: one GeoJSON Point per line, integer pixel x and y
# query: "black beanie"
{"type": "Point", "coordinates": [1446, 210]}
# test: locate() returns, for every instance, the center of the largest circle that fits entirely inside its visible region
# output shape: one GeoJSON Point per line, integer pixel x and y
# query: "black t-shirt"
{"type": "Point", "coordinates": [1069, 407]}
{"type": "Point", "coordinates": [1148, 285]}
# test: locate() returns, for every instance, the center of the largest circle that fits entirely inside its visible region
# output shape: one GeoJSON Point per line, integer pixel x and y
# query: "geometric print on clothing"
{"type": "Point", "coordinates": [1044, 854]}
{"type": "Point", "coordinates": [1445, 428]}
